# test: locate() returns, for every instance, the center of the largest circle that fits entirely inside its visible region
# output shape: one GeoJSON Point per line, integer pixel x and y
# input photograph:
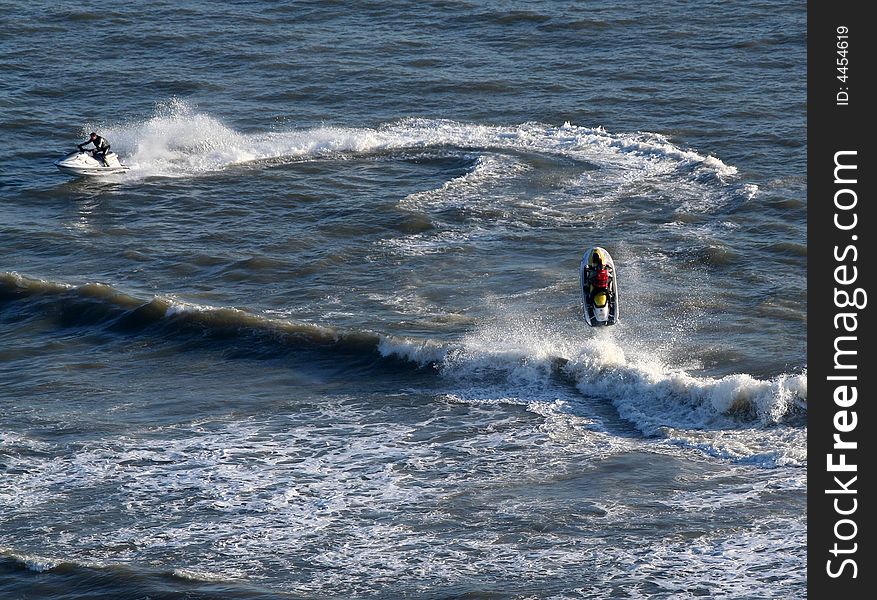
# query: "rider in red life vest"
{"type": "Point", "coordinates": [600, 279]}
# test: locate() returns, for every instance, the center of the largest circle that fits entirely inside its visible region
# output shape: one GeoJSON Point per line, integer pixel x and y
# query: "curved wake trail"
{"type": "Point", "coordinates": [179, 141]}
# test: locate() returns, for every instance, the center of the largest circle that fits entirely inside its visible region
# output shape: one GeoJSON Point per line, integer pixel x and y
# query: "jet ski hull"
{"type": "Point", "coordinates": [607, 314]}
{"type": "Point", "coordinates": [83, 164]}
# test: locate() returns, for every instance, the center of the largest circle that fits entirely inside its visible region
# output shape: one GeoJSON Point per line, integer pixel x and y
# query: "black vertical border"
{"type": "Point", "coordinates": [834, 126]}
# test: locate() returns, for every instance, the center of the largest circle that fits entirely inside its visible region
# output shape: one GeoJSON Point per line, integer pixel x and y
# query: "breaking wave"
{"type": "Point", "coordinates": [726, 417]}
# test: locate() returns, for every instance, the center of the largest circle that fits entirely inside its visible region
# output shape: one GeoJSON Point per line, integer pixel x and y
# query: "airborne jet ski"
{"type": "Point", "coordinates": [599, 288]}
{"type": "Point", "coordinates": [81, 163]}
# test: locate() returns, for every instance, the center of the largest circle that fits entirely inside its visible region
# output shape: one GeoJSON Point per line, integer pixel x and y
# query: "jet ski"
{"type": "Point", "coordinates": [82, 163]}
{"type": "Point", "coordinates": [599, 288]}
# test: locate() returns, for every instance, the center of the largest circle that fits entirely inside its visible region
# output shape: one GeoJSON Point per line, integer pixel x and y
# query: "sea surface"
{"type": "Point", "coordinates": [324, 339]}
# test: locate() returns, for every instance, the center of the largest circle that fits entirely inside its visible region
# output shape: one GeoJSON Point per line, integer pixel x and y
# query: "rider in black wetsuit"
{"type": "Point", "coordinates": [101, 147]}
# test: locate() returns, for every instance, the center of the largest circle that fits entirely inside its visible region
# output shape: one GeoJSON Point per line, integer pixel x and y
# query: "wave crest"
{"type": "Point", "coordinates": [520, 357]}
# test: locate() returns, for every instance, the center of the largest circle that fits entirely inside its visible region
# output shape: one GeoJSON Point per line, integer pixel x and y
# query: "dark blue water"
{"type": "Point", "coordinates": [324, 338]}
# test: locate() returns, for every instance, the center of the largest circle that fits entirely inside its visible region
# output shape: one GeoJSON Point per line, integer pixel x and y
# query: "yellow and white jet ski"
{"type": "Point", "coordinates": [599, 288]}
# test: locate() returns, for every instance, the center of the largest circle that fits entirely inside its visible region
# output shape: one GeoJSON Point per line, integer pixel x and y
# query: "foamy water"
{"type": "Point", "coordinates": [182, 141]}
{"type": "Point", "coordinates": [324, 339]}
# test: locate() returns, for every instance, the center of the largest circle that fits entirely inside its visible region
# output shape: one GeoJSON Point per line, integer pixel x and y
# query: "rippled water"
{"type": "Point", "coordinates": [324, 338]}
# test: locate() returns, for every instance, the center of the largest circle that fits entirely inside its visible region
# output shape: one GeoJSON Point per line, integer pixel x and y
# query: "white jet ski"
{"type": "Point", "coordinates": [81, 163]}
{"type": "Point", "coordinates": [599, 288]}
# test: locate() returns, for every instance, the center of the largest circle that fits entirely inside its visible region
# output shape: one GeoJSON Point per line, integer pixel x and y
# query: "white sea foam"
{"type": "Point", "coordinates": [462, 191]}
{"type": "Point", "coordinates": [33, 283]}
{"type": "Point", "coordinates": [339, 485]}
{"type": "Point", "coordinates": [332, 487]}
{"type": "Point", "coordinates": [424, 353]}
{"type": "Point", "coordinates": [235, 498]}
{"type": "Point", "coordinates": [731, 565]}
{"type": "Point", "coordinates": [737, 417]}
{"type": "Point", "coordinates": [450, 239]}
{"type": "Point", "coordinates": [175, 306]}
{"type": "Point", "coordinates": [195, 575]}
{"type": "Point", "coordinates": [733, 418]}
{"type": "Point", "coordinates": [322, 487]}
{"type": "Point", "coordinates": [750, 190]}
{"type": "Point", "coordinates": [32, 562]}
{"type": "Point", "coordinates": [181, 141]}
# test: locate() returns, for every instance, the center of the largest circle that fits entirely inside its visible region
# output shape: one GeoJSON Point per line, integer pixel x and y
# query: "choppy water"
{"type": "Point", "coordinates": [324, 339]}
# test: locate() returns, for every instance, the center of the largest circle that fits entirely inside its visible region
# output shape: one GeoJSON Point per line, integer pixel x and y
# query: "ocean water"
{"type": "Point", "coordinates": [324, 339]}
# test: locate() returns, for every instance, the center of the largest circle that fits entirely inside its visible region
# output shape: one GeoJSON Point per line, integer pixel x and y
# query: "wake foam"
{"type": "Point", "coordinates": [180, 141]}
